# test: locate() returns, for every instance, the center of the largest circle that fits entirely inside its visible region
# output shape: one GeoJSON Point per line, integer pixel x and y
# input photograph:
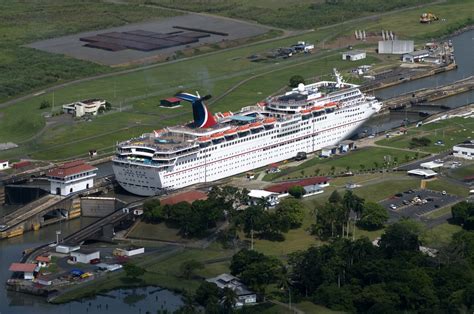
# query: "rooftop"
{"type": "Point", "coordinates": [22, 267]}
{"type": "Point", "coordinates": [85, 251]}
{"type": "Point", "coordinates": [188, 197]}
{"type": "Point", "coordinates": [418, 53]}
{"type": "Point", "coordinates": [260, 193]}
{"type": "Point", "coordinates": [172, 99]}
{"type": "Point", "coordinates": [465, 146]}
{"type": "Point", "coordinates": [283, 187]}
{"type": "Point", "coordinates": [353, 52]}
{"type": "Point", "coordinates": [42, 259]}
{"type": "Point", "coordinates": [70, 168]}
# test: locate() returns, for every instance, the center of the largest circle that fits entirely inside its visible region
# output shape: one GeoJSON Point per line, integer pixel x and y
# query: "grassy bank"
{"type": "Point", "coordinates": [363, 159]}
{"type": "Point", "coordinates": [450, 132]}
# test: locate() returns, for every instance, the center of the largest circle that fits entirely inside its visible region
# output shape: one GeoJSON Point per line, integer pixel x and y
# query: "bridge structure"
{"type": "Point", "coordinates": [48, 209]}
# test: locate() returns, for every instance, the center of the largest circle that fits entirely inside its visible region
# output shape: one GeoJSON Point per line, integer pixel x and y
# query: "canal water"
{"type": "Point", "coordinates": [464, 54]}
{"type": "Point", "coordinates": [139, 300]}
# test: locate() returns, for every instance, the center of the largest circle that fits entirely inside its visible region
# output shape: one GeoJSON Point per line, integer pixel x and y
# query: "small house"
{"type": "Point", "coordinates": [4, 165]}
{"type": "Point", "coordinates": [346, 146]}
{"type": "Point", "coordinates": [43, 261]}
{"type": "Point", "coordinates": [354, 55]}
{"type": "Point", "coordinates": [425, 173]}
{"type": "Point", "coordinates": [85, 256]}
{"type": "Point", "coordinates": [270, 198]}
{"type": "Point", "coordinates": [313, 185]}
{"type": "Point", "coordinates": [71, 177]}
{"type": "Point", "coordinates": [44, 280]}
{"type": "Point", "coordinates": [328, 151]}
{"type": "Point", "coordinates": [244, 295]}
{"type": "Point", "coordinates": [415, 56]}
{"type": "Point", "coordinates": [170, 102]}
{"type": "Point", "coordinates": [27, 269]}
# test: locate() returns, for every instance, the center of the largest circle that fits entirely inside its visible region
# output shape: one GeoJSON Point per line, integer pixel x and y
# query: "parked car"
{"type": "Point", "coordinates": [95, 261]}
{"type": "Point", "coordinates": [443, 192]}
{"type": "Point", "coordinates": [406, 202]}
{"type": "Point", "coordinates": [393, 206]}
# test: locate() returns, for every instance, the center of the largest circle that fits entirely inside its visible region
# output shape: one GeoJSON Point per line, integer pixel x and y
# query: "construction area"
{"type": "Point", "coordinates": [149, 41]}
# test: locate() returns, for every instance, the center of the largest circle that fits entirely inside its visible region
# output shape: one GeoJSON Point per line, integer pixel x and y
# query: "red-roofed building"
{"type": "Point", "coordinates": [71, 177]}
{"type": "Point", "coordinates": [43, 261]}
{"type": "Point", "coordinates": [26, 269]}
{"type": "Point", "coordinates": [170, 102]}
{"type": "Point", "coordinates": [312, 185]}
{"type": "Point", "coordinates": [189, 197]}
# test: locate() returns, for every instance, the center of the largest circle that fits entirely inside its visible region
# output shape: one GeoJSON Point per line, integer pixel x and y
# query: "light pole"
{"type": "Point", "coordinates": [58, 232]}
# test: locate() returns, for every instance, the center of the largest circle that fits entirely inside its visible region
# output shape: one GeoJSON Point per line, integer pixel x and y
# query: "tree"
{"type": "Point", "coordinates": [133, 271]}
{"type": "Point", "coordinates": [402, 236]}
{"type": "Point", "coordinates": [333, 169]}
{"type": "Point", "coordinates": [108, 106]}
{"type": "Point", "coordinates": [206, 293]}
{"type": "Point", "coordinates": [188, 268]}
{"type": "Point", "coordinates": [461, 212]}
{"type": "Point", "coordinates": [229, 298]}
{"type": "Point", "coordinates": [335, 197]}
{"type": "Point", "coordinates": [297, 191]}
{"type": "Point", "coordinates": [352, 202]}
{"type": "Point", "coordinates": [45, 104]}
{"type": "Point", "coordinates": [373, 216]}
{"type": "Point", "coordinates": [290, 211]}
{"type": "Point", "coordinates": [295, 80]}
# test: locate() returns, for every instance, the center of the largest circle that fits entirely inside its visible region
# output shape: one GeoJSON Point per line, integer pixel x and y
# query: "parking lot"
{"type": "Point", "coordinates": [414, 203]}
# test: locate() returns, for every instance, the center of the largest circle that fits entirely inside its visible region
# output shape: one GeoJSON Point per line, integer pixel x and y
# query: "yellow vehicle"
{"type": "Point", "coordinates": [86, 275]}
{"type": "Point", "coordinates": [428, 18]}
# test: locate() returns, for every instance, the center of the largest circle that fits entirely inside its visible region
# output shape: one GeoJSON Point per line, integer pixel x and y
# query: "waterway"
{"type": "Point", "coordinates": [150, 299]}
{"type": "Point", "coordinates": [463, 52]}
{"type": "Point", "coordinates": [140, 300]}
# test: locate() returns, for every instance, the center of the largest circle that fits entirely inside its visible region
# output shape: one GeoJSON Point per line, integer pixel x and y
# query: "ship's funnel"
{"type": "Point", "coordinates": [203, 118]}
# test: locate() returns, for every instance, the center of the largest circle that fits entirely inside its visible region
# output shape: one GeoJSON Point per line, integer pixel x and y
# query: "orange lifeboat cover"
{"type": "Point", "coordinates": [269, 120]}
{"type": "Point", "coordinates": [218, 134]}
{"type": "Point", "coordinates": [230, 132]}
{"type": "Point", "coordinates": [243, 128]}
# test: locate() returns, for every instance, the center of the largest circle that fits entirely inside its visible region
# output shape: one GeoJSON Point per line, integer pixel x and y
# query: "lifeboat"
{"type": "Point", "coordinates": [256, 125]}
{"type": "Point", "coordinates": [317, 108]}
{"type": "Point", "coordinates": [269, 121]}
{"type": "Point", "coordinates": [305, 111]}
{"type": "Point", "coordinates": [204, 139]}
{"type": "Point", "coordinates": [230, 132]}
{"type": "Point", "coordinates": [330, 104]}
{"type": "Point", "coordinates": [227, 114]}
{"type": "Point", "coordinates": [243, 128]}
{"type": "Point", "coordinates": [217, 135]}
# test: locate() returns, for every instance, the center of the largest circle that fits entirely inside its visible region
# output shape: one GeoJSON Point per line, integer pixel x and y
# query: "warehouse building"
{"type": "Point", "coordinates": [85, 256]}
{"type": "Point", "coordinates": [397, 47]}
{"type": "Point", "coordinates": [354, 55]}
{"type": "Point", "coordinates": [71, 177]}
{"type": "Point", "coordinates": [415, 56]}
{"type": "Point", "coordinates": [465, 151]}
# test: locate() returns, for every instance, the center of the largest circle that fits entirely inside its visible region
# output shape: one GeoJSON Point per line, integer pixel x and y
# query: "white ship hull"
{"type": "Point", "coordinates": [229, 158]}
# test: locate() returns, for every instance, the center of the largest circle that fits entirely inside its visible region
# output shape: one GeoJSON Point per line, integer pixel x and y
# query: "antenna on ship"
{"type": "Point", "coordinates": [339, 78]}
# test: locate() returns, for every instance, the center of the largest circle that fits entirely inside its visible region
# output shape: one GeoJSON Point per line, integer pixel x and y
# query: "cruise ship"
{"type": "Point", "coordinates": [213, 147]}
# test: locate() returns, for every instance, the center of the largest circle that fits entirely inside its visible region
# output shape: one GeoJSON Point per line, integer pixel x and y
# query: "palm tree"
{"type": "Point", "coordinates": [283, 282]}
{"type": "Point", "coordinates": [229, 299]}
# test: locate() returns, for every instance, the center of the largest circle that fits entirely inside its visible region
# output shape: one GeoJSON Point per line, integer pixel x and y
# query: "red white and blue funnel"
{"type": "Point", "coordinates": [203, 118]}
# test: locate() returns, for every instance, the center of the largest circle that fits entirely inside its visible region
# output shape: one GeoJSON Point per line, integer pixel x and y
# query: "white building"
{"type": "Point", "coordinates": [26, 268]}
{"type": "Point", "coordinates": [465, 151]}
{"type": "Point", "coordinates": [85, 256]}
{"type": "Point", "coordinates": [71, 177]}
{"type": "Point", "coordinates": [415, 56]}
{"type": "Point", "coordinates": [270, 197]}
{"type": "Point", "coordinates": [431, 165]}
{"type": "Point", "coordinates": [425, 173]}
{"type": "Point", "coordinates": [4, 165]}
{"type": "Point", "coordinates": [354, 55]}
{"type": "Point", "coordinates": [131, 251]}
{"type": "Point", "coordinates": [396, 46]}
{"type": "Point", "coordinates": [244, 295]}
{"type": "Point", "coordinates": [84, 107]}
{"type": "Point", "coordinates": [66, 249]}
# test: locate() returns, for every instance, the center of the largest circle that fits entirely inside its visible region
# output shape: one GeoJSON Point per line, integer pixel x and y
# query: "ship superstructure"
{"type": "Point", "coordinates": [213, 147]}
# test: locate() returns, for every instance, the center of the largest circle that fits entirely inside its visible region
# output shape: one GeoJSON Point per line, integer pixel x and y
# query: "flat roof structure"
{"type": "Point", "coordinates": [283, 187]}
{"type": "Point", "coordinates": [260, 193]}
{"type": "Point", "coordinates": [431, 165]}
{"type": "Point", "coordinates": [22, 267]}
{"type": "Point", "coordinates": [422, 172]}
{"type": "Point", "coordinates": [188, 197]}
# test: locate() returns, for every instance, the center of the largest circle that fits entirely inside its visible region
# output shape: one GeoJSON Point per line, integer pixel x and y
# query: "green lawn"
{"type": "Point", "coordinates": [462, 172]}
{"type": "Point", "coordinates": [441, 184]}
{"type": "Point", "coordinates": [155, 232]}
{"type": "Point", "coordinates": [440, 235]}
{"type": "Point", "coordinates": [451, 132]}
{"type": "Point", "coordinates": [361, 159]}
{"type": "Point", "coordinates": [439, 212]}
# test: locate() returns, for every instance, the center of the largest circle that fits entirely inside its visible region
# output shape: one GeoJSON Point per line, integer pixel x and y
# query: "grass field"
{"type": "Point", "coordinates": [464, 171]}
{"type": "Point", "coordinates": [155, 232]}
{"type": "Point", "coordinates": [440, 235]}
{"type": "Point", "coordinates": [358, 160]}
{"type": "Point", "coordinates": [442, 184]}
{"type": "Point", "coordinates": [310, 13]}
{"type": "Point", "coordinates": [25, 69]}
{"type": "Point", "coordinates": [451, 132]}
